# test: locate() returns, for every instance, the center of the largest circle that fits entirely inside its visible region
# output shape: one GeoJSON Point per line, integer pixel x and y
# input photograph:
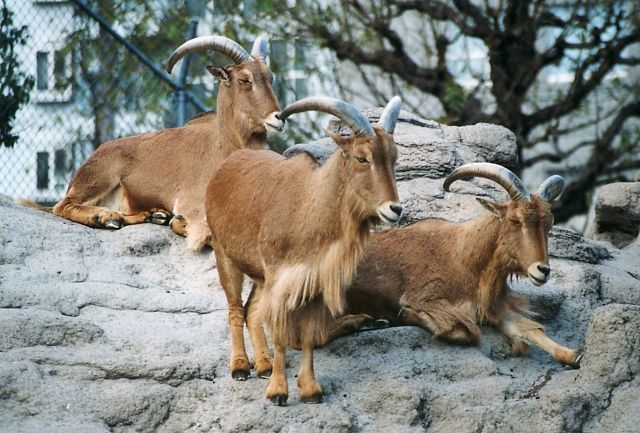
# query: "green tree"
{"type": "Point", "coordinates": [110, 81]}
{"type": "Point", "coordinates": [14, 84]}
{"type": "Point", "coordinates": [424, 50]}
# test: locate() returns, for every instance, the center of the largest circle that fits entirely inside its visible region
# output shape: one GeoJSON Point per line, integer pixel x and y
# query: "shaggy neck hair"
{"type": "Point", "coordinates": [331, 259]}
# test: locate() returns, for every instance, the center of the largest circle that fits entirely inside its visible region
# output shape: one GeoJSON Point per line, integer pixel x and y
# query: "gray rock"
{"type": "Point", "coordinates": [319, 150]}
{"type": "Point", "coordinates": [617, 214]}
{"type": "Point", "coordinates": [427, 149]}
{"type": "Point", "coordinates": [26, 328]}
{"type": "Point", "coordinates": [119, 331]}
{"type": "Point", "coordinates": [567, 244]}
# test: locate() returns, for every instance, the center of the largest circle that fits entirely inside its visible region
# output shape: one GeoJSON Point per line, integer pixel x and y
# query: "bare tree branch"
{"type": "Point", "coordinates": [608, 57]}
{"type": "Point", "coordinates": [575, 199]}
{"type": "Point", "coordinates": [443, 12]}
{"type": "Point", "coordinates": [523, 41]}
{"type": "Point", "coordinates": [557, 156]}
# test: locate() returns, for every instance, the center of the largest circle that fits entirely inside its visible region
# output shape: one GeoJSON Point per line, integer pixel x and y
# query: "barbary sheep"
{"type": "Point", "coordinates": [450, 277]}
{"type": "Point", "coordinates": [298, 230]}
{"type": "Point", "coordinates": [148, 177]}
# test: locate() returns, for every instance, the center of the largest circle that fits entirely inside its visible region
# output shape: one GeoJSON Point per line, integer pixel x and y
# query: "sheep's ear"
{"type": "Point", "coordinates": [345, 143]}
{"type": "Point", "coordinates": [220, 73]}
{"type": "Point", "coordinates": [491, 206]}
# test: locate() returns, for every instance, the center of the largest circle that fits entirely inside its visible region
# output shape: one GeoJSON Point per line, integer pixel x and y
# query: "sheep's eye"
{"type": "Point", "coordinates": [515, 222]}
{"type": "Point", "coordinates": [362, 160]}
{"type": "Point", "coordinates": [244, 81]}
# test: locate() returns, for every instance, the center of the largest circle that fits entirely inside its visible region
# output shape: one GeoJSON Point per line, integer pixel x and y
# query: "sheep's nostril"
{"type": "Point", "coordinates": [544, 269]}
{"type": "Point", "coordinates": [396, 208]}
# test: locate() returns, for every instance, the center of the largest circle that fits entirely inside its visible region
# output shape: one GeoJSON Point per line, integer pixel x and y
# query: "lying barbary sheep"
{"type": "Point", "coordinates": [450, 277]}
{"type": "Point", "coordinates": [298, 230]}
{"type": "Point", "coordinates": [147, 177]}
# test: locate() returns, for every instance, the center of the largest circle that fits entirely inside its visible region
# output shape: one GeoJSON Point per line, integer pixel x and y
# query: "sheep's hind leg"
{"type": "Point", "coordinates": [277, 389]}
{"type": "Point", "coordinates": [73, 207]}
{"type": "Point", "coordinates": [91, 216]}
{"type": "Point", "coordinates": [310, 389]}
{"type": "Point", "coordinates": [92, 186]}
{"type": "Point", "coordinates": [520, 329]}
{"type": "Point", "coordinates": [262, 358]}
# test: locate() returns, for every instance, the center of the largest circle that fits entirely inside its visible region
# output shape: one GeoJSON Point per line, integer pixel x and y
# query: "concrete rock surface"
{"type": "Point", "coordinates": [126, 331]}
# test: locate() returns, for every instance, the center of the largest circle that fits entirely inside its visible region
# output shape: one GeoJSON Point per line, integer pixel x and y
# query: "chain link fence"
{"type": "Point", "coordinates": [90, 85]}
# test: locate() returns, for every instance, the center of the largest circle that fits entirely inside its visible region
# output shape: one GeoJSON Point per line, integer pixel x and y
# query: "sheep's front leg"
{"type": "Point", "coordinates": [262, 358]}
{"type": "Point", "coordinates": [310, 389]}
{"type": "Point", "coordinates": [277, 389]}
{"type": "Point", "coordinates": [231, 281]}
{"type": "Point", "coordinates": [522, 330]}
{"type": "Point", "coordinates": [442, 319]}
{"type": "Point", "coordinates": [153, 216]}
{"type": "Point", "coordinates": [352, 323]}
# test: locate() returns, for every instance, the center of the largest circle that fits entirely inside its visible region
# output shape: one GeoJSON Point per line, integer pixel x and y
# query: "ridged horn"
{"type": "Point", "coordinates": [497, 173]}
{"type": "Point", "coordinates": [260, 49]}
{"type": "Point", "coordinates": [345, 112]}
{"type": "Point", "coordinates": [551, 188]}
{"type": "Point", "coordinates": [223, 45]}
{"type": "Point", "coordinates": [390, 114]}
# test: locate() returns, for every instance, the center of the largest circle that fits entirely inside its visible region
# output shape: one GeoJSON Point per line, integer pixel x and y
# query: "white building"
{"type": "Point", "coordinates": [38, 165]}
{"type": "Point", "coordinates": [56, 127]}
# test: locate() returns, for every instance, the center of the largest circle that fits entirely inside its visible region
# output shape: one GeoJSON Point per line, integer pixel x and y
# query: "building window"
{"type": "Point", "coordinates": [42, 72]}
{"type": "Point", "coordinates": [53, 76]}
{"type": "Point", "coordinates": [42, 170]}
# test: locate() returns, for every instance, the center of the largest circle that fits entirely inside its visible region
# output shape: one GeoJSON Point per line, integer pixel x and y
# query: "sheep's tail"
{"type": "Point", "coordinates": [33, 205]}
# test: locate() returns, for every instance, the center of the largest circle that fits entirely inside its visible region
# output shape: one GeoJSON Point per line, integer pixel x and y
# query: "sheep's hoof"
{"type": "Point", "coordinates": [367, 323]}
{"type": "Point", "coordinates": [381, 323]}
{"type": "Point", "coordinates": [575, 363]}
{"type": "Point", "coordinates": [240, 375]}
{"type": "Point", "coordinates": [313, 398]}
{"type": "Point", "coordinates": [279, 399]}
{"type": "Point", "coordinates": [159, 217]}
{"type": "Point", "coordinates": [266, 374]}
{"type": "Point", "coordinates": [113, 224]}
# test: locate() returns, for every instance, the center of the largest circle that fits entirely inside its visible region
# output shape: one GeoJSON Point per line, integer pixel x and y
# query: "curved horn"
{"type": "Point", "coordinates": [497, 173]}
{"type": "Point", "coordinates": [551, 188]}
{"type": "Point", "coordinates": [345, 112]}
{"type": "Point", "coordinates": [390, 114]}
{"type": "Point", "coordinates": [209, 43]}
{"type": "Point", "coordinates": [260, 49]}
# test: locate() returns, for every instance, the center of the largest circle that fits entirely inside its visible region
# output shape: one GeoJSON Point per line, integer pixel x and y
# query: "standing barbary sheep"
{"type": "Point", "coordinates": [449, 277]}
{"type": "Point", "coordinates": [298, 230]}
{"type": "Point", "coordinates": [138, 179]}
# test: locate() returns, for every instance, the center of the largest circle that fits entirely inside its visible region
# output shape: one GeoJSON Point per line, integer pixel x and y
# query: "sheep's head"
{"type": "Point", "coordinates": [367, 156]}
{"type": "Point", "coordinates": [525, 220]}
{"type": "Point", "coordinates": [245, 86]}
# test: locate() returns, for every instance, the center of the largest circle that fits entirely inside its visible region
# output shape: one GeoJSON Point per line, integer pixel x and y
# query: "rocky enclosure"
{"type": "Point", "coordinates": [127, 331]}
